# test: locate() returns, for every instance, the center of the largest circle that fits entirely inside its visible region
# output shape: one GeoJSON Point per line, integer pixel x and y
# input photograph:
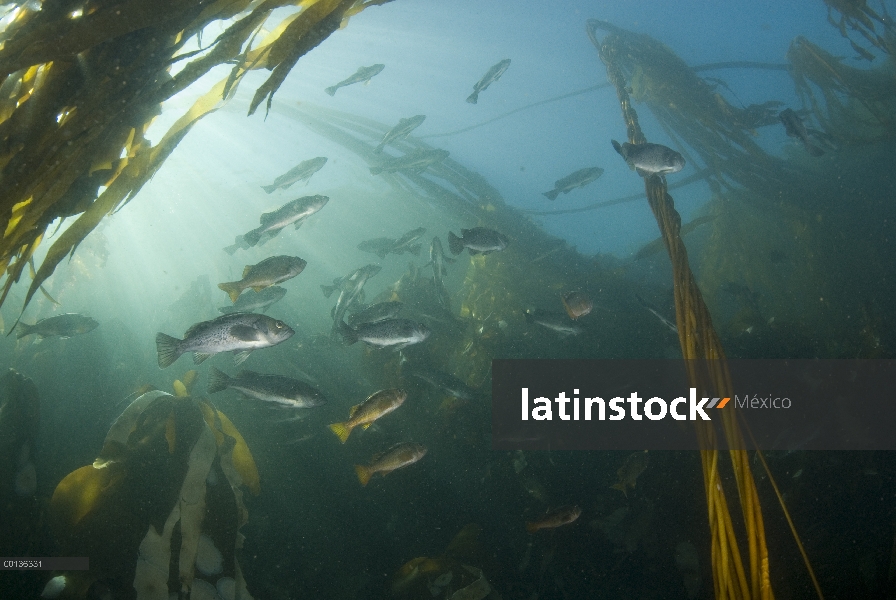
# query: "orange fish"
{"type": "Point", "coordinates": [399, 455]}
{"type": "Point", "coordinates": [381, 403]}
{"type": "Point", "coordinates": [576, 304]}
{"type": "Point", "coordinates": [562, 516]}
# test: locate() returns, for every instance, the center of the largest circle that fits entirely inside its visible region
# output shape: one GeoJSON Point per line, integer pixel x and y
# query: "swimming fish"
{"type": "Point", "coordinates": [276, 389]}
{"type": "Point", "coordinates": [302, 172]}
{"type": "Point", "coordinates": [554, 321]}
{"type": "Point", "coordinates": [376, 405]}
{"type": "Point", "coordinates": [491, 76]}
{"type": "Point", "coordinates": [416, 161]}
{"type": "Point", "coordinates": [396, 457]}
{"type": "Point", "coordinates": [268, 272]}
{"type": "Point", "coordinates": [400, 131]}
{"type": "Point", "coordinates": [64, 326]}
{"type": "Point", "coordinates": [576, 304]}
{"type": "Point", "coordinates": [391, 333]}
{"type": "Point", "coordinates": [794, 128]}
{"type": "Point", "coordinates": [562, 516]}
{"type": "Point", "coordinates": [628, 473]}
{"type": "Point", "coordinates": [240, 333]}
{"type": "Point", "coordinates": [650, 159]}
{"type": "Point", "coordinates": [578, 179]}
{"type": "Point", "coordinates": [291, 213]}
{"type": "Point", "coordinates": [251, 301]}
{"type": "Point", "coordinates": [362, 74]}
{"type": "Point", "coordinates": [478, 240]}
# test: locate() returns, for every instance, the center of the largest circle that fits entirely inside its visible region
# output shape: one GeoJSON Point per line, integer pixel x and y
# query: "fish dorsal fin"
{"type": "Point", "coordinates": [246, 373]}
{"type": "Point", "coordinates": [353, 410]}
{"type": "Point", "coordinates": [192, 330]}
{"type": "Point", "coordinates": [247, 269]}
{"type": "Point", "coordinates": [244, 333]}
{"type": "Point", "coordinates": [266, 218]}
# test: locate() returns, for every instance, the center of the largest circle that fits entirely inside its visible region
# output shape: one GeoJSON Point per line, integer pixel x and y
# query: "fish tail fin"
{"type": "Point", "coordinates": [621, 488]}
{"type": "Point", "coordinates": [813, 149]}
{"type": "Point", "coordinates": [232, 288]}
{"type": "Point", "coordinates": [331, 90]}
{"type": "Point", "coordinates": [217, 381]}
{"type": "Point", "coordinates": [341, 430]}
{"type": "Point", "coordinates": [552, 195]}
{"type": "Point", "coordinates": [455, 244]}
{"type": "Point", "coordinates": [231, 249]}
{"type": "Point", "coordinates": [617, 147]}
{"type": "Point", "coordinates": [531, 527]}
{"type": "Point", "coordinates": [363, 474]}
{"type": "Point", "coordinates": [23, 329]}
{"type": "Point", "coordinates": [269, 188]}
{"type": "Point", "coordinates": [253, 236]}
{"type": "Point", "coordinates": [168, 348]}
{"type": "Point", "coordinates": [473, 98]}
{"type": "Point", "coordinates": [328, 290]}
{"type": "Point", "coordinates": [349, 335]}
{"type": "Point", "coordinates": [376, 170]}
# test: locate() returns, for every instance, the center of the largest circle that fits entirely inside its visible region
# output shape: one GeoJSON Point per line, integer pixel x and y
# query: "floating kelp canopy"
{"type": "Point", "coordinates": [80, 84]}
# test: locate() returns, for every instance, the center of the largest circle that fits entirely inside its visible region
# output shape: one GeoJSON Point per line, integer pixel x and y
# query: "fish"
{"type": "Point", "coordinates": [557, 518]}
{"type": "Point", "coordinates": [341, 282]}
{"type": "Point", "coordinates": [291, 213]}
{"type": "Point", "coordinates": [446, 382]}
{"type": "Point", "coordinates": [416, 161]}
{"type": "Point", "coordinates": [64, 326]}
{"type": "Point", "coordinates": [400, 131]}
{"type": "Point", "coordinates": [268, 272]}
{"type": "Point", "coordinates": [375, 313]}
{"type": "Point", "coordinates": [240, 333]}
{"type": "Point", "coordinates": [391, 333]}
{"type": "Point", "coordinates": [350, 293]}
{"type": "Point", "coordinates": [656, 313]}
{"type": "Point", "coordinates": [628, 473]}
{"type": "Point", "coordinates": [276, 389]}
{"type": "Point", "coordinates": [376, 405]}
{"type": "Point", "coordinates": [479, 240]}
{"type": "Point", "coordinates": [794, 128]}
{"type": "Point", "coordinates": [406, 242]}
{"type": "Point", "coordinates": [491, 76]}
{"type": "Point", "coordinates": [239, 242]}
{"type": "Point", "coordinates": [576, 304]}
{"type": "Point", "coordinates": [379, 246]}
{"type": "Point", "coordinates": [438, 259]}
{"type": "Point", "coordinates": [650, 159]}
{"type": "Point", "coordinates": [363, 74]}
{"type": "Point", "coordinates": [578, 179]}
{"type": "Point", "coordinates": [396, 457]}
{"type": "Point", "coordinates": [383, 246]}
{"type": "Point", "coordinates": [251, 301]}
{"type": "Point", "coordinates": [301, 172]}
{"type": "Point", "coordinates": [554, 321]}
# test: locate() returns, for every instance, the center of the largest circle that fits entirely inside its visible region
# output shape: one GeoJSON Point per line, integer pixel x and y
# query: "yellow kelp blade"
{"type": "Point", "coordinates": [77, 493]}
{"type": "Point", "coordinates": [312, 27]}
{"type": "Point", "coordinates": [242, 459]}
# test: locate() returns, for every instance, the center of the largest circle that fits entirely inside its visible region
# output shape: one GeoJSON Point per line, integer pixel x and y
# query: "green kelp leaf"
{"type": "Point", "coordinates": [311, 27]}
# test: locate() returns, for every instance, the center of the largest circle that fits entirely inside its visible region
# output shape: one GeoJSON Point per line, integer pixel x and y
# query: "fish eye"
{"type": "Point", "coordinates": [279, 324]}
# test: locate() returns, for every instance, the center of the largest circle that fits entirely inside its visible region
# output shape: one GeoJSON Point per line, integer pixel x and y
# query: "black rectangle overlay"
{"type": "Point", "coordinates": [786, 405]}
{"type": "Point", "coordinates": [44, 563]}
